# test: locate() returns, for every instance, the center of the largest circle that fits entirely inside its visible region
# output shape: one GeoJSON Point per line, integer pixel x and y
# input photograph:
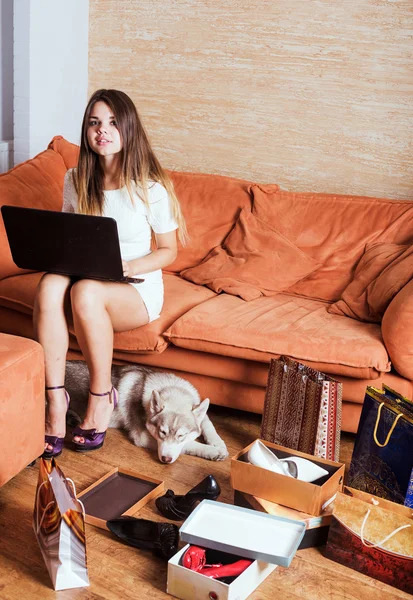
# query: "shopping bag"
{"type": "Point", "coordinates": [59, 526]}
{"type": "Point", "coordinates": [302, 409]}
{"type": "Point", "coordinates": [382, 460]}
{"type": "Point", "coordinates": [373, 536]}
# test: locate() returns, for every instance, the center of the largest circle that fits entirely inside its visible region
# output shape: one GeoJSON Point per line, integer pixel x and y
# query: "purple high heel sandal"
{"type": "Point", "coordinates": [93, 439]}
{"type": "Point", "coordinates": [54, 441]}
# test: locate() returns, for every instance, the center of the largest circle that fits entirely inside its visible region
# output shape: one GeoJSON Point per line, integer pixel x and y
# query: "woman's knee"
{"type": "Point", "coordinates": [86, 296]}
{"type": "Point", "coordinates": [51, 290]}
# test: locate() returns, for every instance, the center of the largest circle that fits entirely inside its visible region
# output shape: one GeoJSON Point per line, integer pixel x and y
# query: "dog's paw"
{"type": "Point", "coordinates": [218, 453]}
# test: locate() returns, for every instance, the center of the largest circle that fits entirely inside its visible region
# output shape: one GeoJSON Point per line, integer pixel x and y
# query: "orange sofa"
{"type": "Point", "coordinates": [218, 341]}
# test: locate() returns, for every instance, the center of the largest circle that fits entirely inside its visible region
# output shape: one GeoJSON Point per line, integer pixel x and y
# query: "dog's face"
{"type": "Point", "coordinates": [173, 427]}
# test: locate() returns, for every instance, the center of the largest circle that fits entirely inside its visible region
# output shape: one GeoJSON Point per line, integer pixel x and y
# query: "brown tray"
{"type": "Point", "coordinates": [118, 493]}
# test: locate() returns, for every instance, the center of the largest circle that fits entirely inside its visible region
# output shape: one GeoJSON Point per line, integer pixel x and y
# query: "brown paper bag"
{"type": "Point", "coordinates": [302, 409]}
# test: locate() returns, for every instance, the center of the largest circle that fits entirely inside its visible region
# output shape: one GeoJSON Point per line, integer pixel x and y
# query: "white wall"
{"type": "Point", "coordinates": [6, 69]}
{"type": "Point", "coordinates": [50, 72]}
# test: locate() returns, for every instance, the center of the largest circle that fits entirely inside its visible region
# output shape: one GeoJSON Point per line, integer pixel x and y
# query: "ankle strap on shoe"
{"type": "Point", "coordinates": [56, 387]}
{"type": "Point", "coordinates": [105, 394]}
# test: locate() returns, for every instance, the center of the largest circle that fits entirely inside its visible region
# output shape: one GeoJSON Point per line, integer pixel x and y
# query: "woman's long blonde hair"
{"type": "Point", "coordinates": [138, 163]}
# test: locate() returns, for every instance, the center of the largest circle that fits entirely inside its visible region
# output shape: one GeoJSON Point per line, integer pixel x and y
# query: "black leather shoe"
{"type": "Point", "coordinates": [161, 538]}
{"type": "Point", "coordinates": [178, 508]}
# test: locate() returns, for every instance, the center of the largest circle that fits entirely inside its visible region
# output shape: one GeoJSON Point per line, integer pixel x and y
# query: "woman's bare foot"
{"type": "Point", "coordinates": [98, 414]}
{"type": "Point", "coordinates": [55, 415]}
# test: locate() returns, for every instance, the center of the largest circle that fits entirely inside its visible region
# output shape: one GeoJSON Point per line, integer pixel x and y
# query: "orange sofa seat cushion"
{"type": "Point", "coordinates": [210, 204]}
{"type": "Point", "coordinates": [36, 183]}
{"type": "Point", "coordinates": [255, 260]}
{"type": "Point", "coordinates": [381, 273]}
{"type": "Point", "coordinates": [281, 324]}
{"type": "Point", "coordinates": [18, 293]}
{"type": "Point", "coordinates": [333, 230]}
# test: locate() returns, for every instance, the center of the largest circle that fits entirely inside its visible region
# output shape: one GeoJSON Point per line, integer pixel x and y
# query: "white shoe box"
{"type": "Point", "coordinates": [266, 539]}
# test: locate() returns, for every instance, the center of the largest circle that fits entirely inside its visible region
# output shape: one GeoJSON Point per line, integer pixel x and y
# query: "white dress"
{"type": "Point", "coordinates": [135, 222]}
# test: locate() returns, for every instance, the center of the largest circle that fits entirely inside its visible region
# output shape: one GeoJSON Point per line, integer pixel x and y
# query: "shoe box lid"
{"type": "Point", "coordinates": [244, 532]}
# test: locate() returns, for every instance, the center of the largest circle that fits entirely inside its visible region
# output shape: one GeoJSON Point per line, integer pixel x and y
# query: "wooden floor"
{"type": "Point", "coordinates": [118, 571]}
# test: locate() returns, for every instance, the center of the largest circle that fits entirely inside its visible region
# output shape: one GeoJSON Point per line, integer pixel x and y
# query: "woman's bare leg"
{"type": "Point", "coordinates": [50, 329]}
{"type": "Point", "coordinates": [100, 308]}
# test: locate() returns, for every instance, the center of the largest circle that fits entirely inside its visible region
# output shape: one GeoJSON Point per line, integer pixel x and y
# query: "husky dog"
{"type": "Point", "coordinates": [158, 410]}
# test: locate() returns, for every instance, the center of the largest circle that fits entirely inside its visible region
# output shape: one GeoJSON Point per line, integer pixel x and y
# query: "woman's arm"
{"type": "Point", "coordinates": [163, 256]}
{"type": "Point", "coordinates": [69, 193]}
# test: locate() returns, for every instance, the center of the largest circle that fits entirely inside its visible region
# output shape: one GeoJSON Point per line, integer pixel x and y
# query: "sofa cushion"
{"type": "Point", "coordinates": [391, 280]}
{"type": "Point", "coordinates": [281, 324]}
{"type": "Point", "coordinates": [210, 204]}
{"type": "Point", "coordinates": [333, 230]}
{"type": "Point", "coordinates": [396, 327]}
{"type": "Point", "coordinates": [18, 293]}
{"type": "Point", "coordinates": [356, 301]}
{"type": "Point", "coordinates": [255, 260]}
{"type": "Point", "coordinates": [36, 183]}
{"type": "Point", "coordinates": [68, 151]}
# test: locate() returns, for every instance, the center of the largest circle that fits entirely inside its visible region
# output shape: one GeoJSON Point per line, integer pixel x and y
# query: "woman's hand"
{"type": "Point", "coordinates": [127, 272]}
{"type": "Point", "coordinates": [160, 258]}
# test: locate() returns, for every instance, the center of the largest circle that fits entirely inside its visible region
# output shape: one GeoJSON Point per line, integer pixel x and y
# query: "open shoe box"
{"type": "Point", "coordinates": [310, 498]}
{"type": "Point", "coordinates": [118, 493]}
{"type": "Point", "coordinates": [316, 528]}
{"type": "Point", "coordinates": [267, 540]}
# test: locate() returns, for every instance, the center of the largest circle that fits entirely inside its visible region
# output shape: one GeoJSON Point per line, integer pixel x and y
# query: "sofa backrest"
{"type": "Point", "coordinates": [333, 230]}
{"type": "Point", "coordinates": [210, 203]}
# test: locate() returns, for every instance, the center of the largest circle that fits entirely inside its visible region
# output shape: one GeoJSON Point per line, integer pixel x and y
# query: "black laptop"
{"type": "Point", "coordinates": [82, 246]}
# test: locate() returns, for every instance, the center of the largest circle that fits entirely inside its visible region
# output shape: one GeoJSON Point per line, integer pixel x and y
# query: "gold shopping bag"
{"type": "Point", "coordinates": [59, 526]}
{"type": "Point", "coordinates": [373, 536]}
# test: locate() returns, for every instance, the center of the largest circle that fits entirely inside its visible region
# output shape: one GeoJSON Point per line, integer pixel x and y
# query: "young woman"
{"type": "Point", "coordinates": [117, 176]}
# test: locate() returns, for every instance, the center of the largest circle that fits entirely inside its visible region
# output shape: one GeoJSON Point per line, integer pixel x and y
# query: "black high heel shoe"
{"type": "Point", "coordinates": [161, 538]}
{"type": "Point", "coordinates": [178, 508]}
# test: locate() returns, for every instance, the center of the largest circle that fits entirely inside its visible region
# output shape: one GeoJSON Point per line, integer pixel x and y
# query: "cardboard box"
{"type": "Point", "coordinates": [310, 498]}
{"type": "Point", "coordinates": [118, 493]}
{"type": "Point", "coordinates": [316, 528]}
{"type": "Point", "coordinates": [268, 540]}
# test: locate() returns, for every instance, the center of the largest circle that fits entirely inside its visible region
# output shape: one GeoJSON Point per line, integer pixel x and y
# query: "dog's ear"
{"type": "Point", "coordinates": [200, 411]}
{"type": "Point", "coordinates": [156, 404]}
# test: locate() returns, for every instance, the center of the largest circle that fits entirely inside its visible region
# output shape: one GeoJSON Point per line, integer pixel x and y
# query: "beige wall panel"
{"type": "Point", "coordinates": [315, 95]}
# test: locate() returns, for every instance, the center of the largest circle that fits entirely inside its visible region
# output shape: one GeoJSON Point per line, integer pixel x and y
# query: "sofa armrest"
{"type": "Point", "coordinates": [397, 331]}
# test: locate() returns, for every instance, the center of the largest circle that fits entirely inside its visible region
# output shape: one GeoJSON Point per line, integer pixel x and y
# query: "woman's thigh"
{"type": "Point", "coordinates": [122, 301]}
{"type": "Point", "coordinates": [53, 290]}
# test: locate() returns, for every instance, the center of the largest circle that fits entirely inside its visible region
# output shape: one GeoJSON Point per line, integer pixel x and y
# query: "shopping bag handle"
{"type": "Point", "coordinates": [384, 540]}
{"type": "Point", "coordinates": [74, 491]}
{"type": "Point", "coordinates": [386, 441]}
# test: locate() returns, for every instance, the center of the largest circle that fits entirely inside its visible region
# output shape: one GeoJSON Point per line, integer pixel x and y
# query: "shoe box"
{"type": "Point", "coordinates": [267, 540]}
{"type": "Point", "coordinates": [310, 498]}
{"type": "Point", "coordinates": [316, 528]}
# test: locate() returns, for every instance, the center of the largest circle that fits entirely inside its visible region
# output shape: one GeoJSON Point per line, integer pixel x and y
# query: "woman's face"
{"type": "Point", "coordinates": [102, 134]}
